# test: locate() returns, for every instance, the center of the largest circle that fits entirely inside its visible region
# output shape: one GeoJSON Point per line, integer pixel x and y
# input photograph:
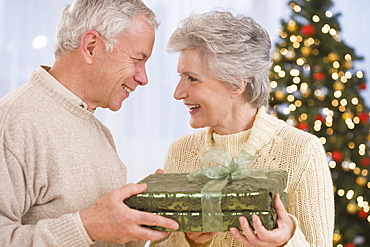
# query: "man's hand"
{"type": "Point", "coordinates": [111, 220]}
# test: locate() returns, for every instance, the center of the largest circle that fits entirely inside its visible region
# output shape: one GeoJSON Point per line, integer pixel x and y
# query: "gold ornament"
{"type": "Point", "coordinates": [338, 86]}
{"type": "Point", "coordinates": [280, 95]}
{"type": "Point", "coordinates": [347, 65]}
{"type": "Point", "coordinates": [333, 57]}
{"type": "Point", "coordinates": [352, 208]}
{"type": "Point", "coordinates": [292, 26]}
{"type": "Point", "coordinates": [361, 181]}
{"type": "Point", "coordinates": [306, 51]}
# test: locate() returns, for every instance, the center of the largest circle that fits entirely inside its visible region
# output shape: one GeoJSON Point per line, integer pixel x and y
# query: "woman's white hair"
{"type": "Point", "coordinates": [233, 49]}
{"type": "Point", "coordinates": [108, 17]}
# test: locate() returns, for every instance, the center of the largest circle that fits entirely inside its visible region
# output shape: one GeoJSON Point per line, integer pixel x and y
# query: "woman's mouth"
{"type": "Point", "coordinates": [193, 108]}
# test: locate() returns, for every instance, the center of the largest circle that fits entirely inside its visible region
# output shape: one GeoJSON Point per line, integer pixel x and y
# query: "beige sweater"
{"type": "Point", "coordinates": [56, 159]}
{"type": "Point", "coordinates": [276, 146]}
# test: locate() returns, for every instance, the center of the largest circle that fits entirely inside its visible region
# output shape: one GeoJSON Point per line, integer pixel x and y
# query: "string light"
{"type": "Point", "coordinates": [315, 18]}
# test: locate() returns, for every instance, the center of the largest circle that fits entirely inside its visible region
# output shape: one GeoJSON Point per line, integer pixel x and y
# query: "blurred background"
{"type": "Point", "coordinates": [151, 119]}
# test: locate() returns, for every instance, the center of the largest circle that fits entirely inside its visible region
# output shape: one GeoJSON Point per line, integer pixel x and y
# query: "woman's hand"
{"type": "Point", "coordinates": [263, 237]}
{"type": "Point", "coordinates": [199, 238]}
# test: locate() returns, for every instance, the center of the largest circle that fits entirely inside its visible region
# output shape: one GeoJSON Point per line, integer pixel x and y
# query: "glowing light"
{"type": "Point", "coordinates": [297, 8]}
{"type": "Point", "coordinates": [315, 18]}
{"type": "Point", "coordinates": [273, 84]}
{"type": "Point", "coordinates": [323, 140]}
{"type": "Point", "coordinates": [333, 31]}
{"type": "Point", "coordinates": [350, 194]}
{"type": "Point", "coordinates": [343, 102]}
{"type": "Point", "coordinates": [335, 76]}
{"type": "Point", "coordinates": [277, 68]}
{"type": "Point", "coordinates": [341, 192]}
{"type": "Point", "coordinates": [296, 45]}
{"type": "Point", "coordinates": [337, 94]}
{"type": "Point", "coordinates": [307, 67]}
{"type": "Point", "coordinates": [283, 51]}
{"type": "Point", "coordinates": [301, 61]}
{"type": "Point", "coordinates": [40, 42]}
{"type": "Point", "coordinates": [293, 38]}
{"type": "Point", "coordinates": [336, 64]}
{"type": "Point", "coordinates": [290, 98]}
{"type": "Point", "coordinates": [348, 57]}
{"type": "Point", "coordinates": [348, 75]}
{"type": "Point", "coordinates": [294, 72]}
{"type": "Point", "coordinates": [286, 111]}
{"type": "Point", "coordinates": [359, 74]}
{"type": "Point", "coordinates": [325, 28]}
{"type": "Point", "coordinates": [303, 116]}
{"type": "Point", "coordinates": [352, 166]}
{"type": "Point", "coordinates": [281, 73]}
{"type": "Point", "coordinates": [328, 14]}
{"type": "Point", "coordinates": [298, 103]}
{"type": "Point", "coordinates": [292, 107]}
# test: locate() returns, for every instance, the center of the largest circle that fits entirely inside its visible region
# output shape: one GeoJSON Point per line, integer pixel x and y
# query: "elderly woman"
{"type": "Point", "coordinates": [224, 65]}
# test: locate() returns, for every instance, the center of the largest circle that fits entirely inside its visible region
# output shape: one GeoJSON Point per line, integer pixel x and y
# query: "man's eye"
{"type": "Point", "coordinates": [192, 78]}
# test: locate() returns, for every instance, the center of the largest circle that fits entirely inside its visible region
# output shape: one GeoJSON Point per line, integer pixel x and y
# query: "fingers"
{"type": "Point", "coordinates": [149, 219]}
{"type": "Point", "coordinates": [145, 233]}
{"type": "Point", "coordinates": [159, 171]}
{"type": "Point", "coordinates": [248, 236]}
{"type": "Point", "coordinates": [130, 190]}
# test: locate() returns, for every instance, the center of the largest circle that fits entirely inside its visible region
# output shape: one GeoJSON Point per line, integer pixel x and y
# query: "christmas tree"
{"type": "Point", "coordinates": [316, 88]}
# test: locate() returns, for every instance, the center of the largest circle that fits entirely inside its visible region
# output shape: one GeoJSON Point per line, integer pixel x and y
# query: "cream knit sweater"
{"type": "Point", "coordinates": [276, 146]}
{"type": "Point", "coordinates": [56, 159]}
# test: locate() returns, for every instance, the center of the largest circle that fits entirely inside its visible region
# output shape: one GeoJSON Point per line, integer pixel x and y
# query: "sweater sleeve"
{"type": "Point", "coordinates": [311, 198]}
{"type": "Point", "coordinates": [15, 201]}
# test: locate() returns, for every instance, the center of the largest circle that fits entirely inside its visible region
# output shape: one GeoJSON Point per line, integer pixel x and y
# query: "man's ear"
{"type": "Point", "coordinates": [89, 43]}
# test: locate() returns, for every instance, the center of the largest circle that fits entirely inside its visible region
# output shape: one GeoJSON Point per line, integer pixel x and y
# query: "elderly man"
{"type": "Point", "coordinates": [62, 182]}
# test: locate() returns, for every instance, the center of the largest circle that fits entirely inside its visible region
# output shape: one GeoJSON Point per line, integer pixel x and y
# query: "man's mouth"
{"type": "Point", "coordinates": [126, 89]}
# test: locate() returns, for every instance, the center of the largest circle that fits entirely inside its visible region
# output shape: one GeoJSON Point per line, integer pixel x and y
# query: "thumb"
{"type": "Point", "coordinates": [159, 171]}
{"type": "Point", "coordinates": [280, 209]}
{"type": "Point", "coordinates": [131, 189]}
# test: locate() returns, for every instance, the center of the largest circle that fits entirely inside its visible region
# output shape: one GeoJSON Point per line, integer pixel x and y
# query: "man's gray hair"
{"type": "Point", "coordinates": [233, 48]}
{"type": "Point", "coordinates": [108, 17]}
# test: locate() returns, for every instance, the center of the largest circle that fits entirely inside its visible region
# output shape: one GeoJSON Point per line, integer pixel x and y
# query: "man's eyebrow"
{"type": "Point", "coordinates": [143, 55]}
{"type": "Point", "coordinates": [190, 73]}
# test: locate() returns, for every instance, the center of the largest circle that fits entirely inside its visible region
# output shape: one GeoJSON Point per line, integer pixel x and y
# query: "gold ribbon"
{"type": "Point", "coordinates": [226, 167]}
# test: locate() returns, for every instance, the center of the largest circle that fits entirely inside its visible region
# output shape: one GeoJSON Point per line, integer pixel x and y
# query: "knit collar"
{"type": "Point", "coordinates": [251, 140]}
{"type": "Point", "coordinates": [59, 93]}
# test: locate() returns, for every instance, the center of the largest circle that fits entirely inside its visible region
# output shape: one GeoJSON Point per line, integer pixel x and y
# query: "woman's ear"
{"type": "Point", "coordinates": [239, 89]}
{"type": "Point", "coordinates": [89, 43]}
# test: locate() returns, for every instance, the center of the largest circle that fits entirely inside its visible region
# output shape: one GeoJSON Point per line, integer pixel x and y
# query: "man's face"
{"type": "Point", "coordinates": [120, 71]}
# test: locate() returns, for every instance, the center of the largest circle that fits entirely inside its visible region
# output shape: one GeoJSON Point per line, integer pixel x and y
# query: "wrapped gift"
{"type": "Point", "coordinates": [213, 198]}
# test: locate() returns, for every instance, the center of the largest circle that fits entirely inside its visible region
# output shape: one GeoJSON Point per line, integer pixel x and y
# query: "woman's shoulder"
{"type": "Point", "coordinates": [291, 133]}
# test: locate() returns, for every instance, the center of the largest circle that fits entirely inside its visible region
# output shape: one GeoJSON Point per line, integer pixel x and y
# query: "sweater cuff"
{"type": "Point", "coordinates": [81, 227]}
{"type": "Point", "coordinates": [298, 238]}
{"type": "Point", "coordinates": [66, 231]}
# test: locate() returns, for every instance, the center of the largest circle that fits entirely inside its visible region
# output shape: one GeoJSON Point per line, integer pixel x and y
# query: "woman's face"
{"type": "Point", "coordinates": [210, 101]}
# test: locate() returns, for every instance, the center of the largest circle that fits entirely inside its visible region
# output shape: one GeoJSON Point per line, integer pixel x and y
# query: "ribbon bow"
{"type": "Point", "coordinates": [226, 167]}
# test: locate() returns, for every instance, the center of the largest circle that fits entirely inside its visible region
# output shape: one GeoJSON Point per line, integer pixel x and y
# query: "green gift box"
{"type": "Point", "coordinates": [200, 203]}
